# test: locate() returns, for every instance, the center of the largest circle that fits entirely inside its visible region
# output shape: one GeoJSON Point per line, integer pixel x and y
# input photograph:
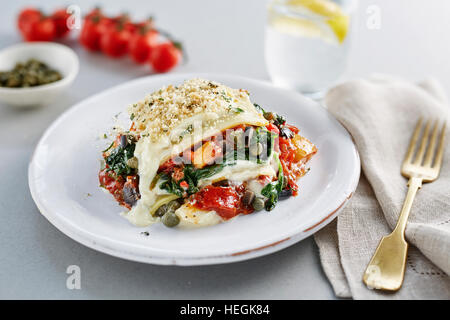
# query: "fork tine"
{"type": "Point", "coordinates": [413, 142]}
{"type": "Point", "coordinates": [430, 151]}
{"type": "Point", "coordinates": [440, 152]}
{"type": "Point", "coordinates": [423, 144]}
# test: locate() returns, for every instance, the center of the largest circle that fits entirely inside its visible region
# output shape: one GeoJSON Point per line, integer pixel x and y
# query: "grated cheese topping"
{"type": "Point", "coordinates": [166, 109]}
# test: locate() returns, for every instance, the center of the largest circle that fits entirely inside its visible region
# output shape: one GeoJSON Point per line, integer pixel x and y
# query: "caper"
{"type": "Point", "coordinates": [269, 115]}
{"type": "Point", "coordinates": [132, 163]}
{"type": "Point", "coordinates": [29, 74]}
{"type": "Point", "coordinates": [13, 81]}
{"type": "Point", "coordinates": [258, 204]}
{"type": "Point", "coordinates": [170, 219]}
{"type": "Point", "coordinates": [166, 208]}
{"type": "Point", "coordinates": [161, 211]}
{"type": "Point", "coordinates": [173, 205]}
{"type": "Point", "coordinates": [31, 80]}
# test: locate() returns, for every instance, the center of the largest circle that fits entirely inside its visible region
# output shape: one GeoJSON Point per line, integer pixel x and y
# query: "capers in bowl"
{"type": "Point", "coordinates": [32, 73]}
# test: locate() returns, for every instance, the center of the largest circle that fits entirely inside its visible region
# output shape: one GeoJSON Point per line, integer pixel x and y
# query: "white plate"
{"type": "Point", "coordinates": [64, 184]}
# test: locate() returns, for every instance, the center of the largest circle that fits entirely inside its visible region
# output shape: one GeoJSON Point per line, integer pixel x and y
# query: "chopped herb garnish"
{"type": "Point", "coordinates": [189, 129]}
{"type": "Point", "coordinates": [225, 97]}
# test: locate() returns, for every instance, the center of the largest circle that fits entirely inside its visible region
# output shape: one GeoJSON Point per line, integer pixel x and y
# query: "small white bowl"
{"type": "Point", "coordinates": [56, 56]}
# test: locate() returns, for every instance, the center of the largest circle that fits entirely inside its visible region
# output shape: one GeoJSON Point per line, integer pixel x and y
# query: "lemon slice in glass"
{"type": "Point", "coordinates": [335, 16]}
{"type": "Point", "coordinates": [327, 19]}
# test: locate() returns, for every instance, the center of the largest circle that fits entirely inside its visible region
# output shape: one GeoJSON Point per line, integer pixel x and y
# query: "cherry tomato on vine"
{"type": "Point", "coordinates": [142, 44]}
{"type": "Point", "coordinates": [139, 26]}
{"type": "Point", "coordinates": [60, 18]}
{"type": "Point", "coordinates": [90, 33]}
{"type": "Point", "coordinates": [165, 56]}
{"type": "Point", "coordinates": [41, 30]}
{"type": "Point", "coordinates": [114, 42]}
{"type": "Point", "coordinates": [94, 12]}
{"type": "Point", "coordinates": [26, 17]}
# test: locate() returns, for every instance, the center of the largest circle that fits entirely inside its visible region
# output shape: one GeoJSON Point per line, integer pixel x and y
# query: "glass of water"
{"type": "Point", "coordinates": [307, 43]}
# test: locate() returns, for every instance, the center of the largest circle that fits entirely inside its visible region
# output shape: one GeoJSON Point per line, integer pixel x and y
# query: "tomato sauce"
{"type": "Point", "coordinates": [292, 159]}
{"type": "Point", "coordinates": [115, 184]}
{"type": "Point", "coordinates": [226, 201]}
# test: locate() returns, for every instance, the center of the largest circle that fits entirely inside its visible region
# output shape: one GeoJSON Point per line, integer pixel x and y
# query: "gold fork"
{"type": "Point", "coordinates": [386, 269]}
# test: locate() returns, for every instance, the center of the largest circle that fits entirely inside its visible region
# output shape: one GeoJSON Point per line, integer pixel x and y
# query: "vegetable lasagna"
{"type": "Point", "coordinates": [202, 153]}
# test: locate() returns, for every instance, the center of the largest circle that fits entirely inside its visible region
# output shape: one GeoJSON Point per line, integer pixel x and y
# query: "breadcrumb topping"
{"type": "Point", "coordinates": [165, 109]}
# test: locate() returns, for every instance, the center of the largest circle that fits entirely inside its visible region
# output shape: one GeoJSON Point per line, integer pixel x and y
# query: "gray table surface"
{"type": "Point", "coordinates": [220, 36]}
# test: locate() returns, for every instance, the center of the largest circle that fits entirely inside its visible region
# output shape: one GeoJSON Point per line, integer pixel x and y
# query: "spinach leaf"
{"type": "Point", "coordinates": [259, 108]}
{"type": "Point", "coordinates": [272, 190]}
{"type": "Point", "coordinates": [203, 173]}
{"type": "Point", "coordinates": [170, 185]}
{"type": "Point", "coordinates": [117, 160]}
{"type": "Point", "coordinates": [192, 176]}
{"type": "Point", "coordinates": [279, 120]}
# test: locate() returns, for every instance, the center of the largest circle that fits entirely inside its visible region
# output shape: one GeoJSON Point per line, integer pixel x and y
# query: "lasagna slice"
{"type": "Point", "coordinates": [201, 153]}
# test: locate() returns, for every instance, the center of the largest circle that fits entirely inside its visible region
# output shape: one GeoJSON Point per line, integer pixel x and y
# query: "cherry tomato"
{"type": "Point", "coordinates": [114, 42]}
{"type": "Point", "coordinates": [130, 26]}
{"type": "Point", "coordinates": [60, 18]}
{"type": "Point", "coordinates": [90, 33]}
{"type": "Point", "coordinates": [273, 128]}
{"type": "Point", "coordinates": [105, 24]}
{"type": "Point", "coordinates": [27, 16]}
{"type": "Point", "coordinates": [142, 44]}
{"type": "Point", "coordinates": [165, 57]}
{"type": "Point", "coordinates": [41, 30]}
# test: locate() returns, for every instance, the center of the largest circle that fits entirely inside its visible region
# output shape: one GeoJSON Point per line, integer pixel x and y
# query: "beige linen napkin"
{"type": "Point", "coordinates": [381, 113]}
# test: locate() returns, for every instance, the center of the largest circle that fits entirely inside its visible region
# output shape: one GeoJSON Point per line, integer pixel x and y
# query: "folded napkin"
{"type": "Point", "coordinates": [381, 113]}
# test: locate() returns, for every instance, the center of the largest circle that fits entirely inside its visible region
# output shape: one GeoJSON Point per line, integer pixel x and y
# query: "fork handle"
{"type": "Point", "coordinates": [414, 184]}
